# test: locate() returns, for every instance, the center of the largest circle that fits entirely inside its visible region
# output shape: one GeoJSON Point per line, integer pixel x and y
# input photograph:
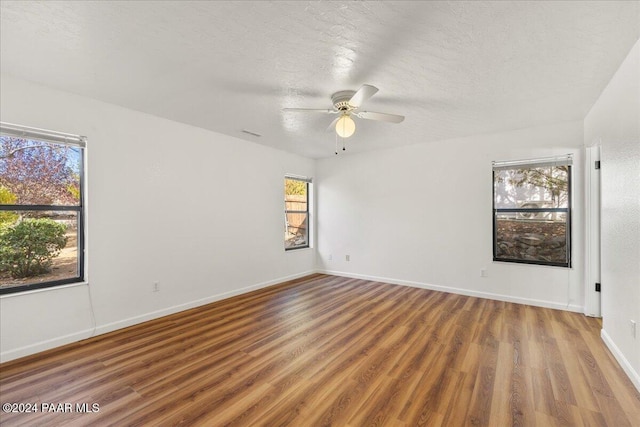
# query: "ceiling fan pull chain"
{"type": "Point", "coordinates": [336, 143]}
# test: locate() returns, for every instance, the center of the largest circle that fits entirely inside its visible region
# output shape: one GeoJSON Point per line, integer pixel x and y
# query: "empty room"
{"type": "Point", "coordinates": [305, 213]}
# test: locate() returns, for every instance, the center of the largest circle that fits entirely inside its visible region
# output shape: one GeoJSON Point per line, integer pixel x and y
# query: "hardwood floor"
{"type": "Point", "coordinates": [327, 350]}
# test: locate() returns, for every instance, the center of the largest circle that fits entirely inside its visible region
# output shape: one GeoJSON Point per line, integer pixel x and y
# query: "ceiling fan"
{"type": "Point", "coordinates": [347, 103]}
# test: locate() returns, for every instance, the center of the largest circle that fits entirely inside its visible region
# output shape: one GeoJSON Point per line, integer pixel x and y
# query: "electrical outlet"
{"type": "Point", "coordinates": [330, 257]}
{"type": "Point", "coordinates": [347, 257]}
{"type": "Point", "coordinates": [483, 272]}
{"type": "Point", "coordinates": [156, 287]}
{"type": "Point", "coordinates": [633, 327]}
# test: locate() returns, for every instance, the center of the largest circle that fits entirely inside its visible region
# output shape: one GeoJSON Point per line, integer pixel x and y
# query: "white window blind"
{"type": "Point", "coordinates": [24, 132]}
{"type": "Point", "coordinates": [566, 160]}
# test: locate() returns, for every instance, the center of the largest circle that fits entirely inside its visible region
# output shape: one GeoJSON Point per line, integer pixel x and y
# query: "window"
{"type": "Point", "coordinates": [41, 208]}
{"type": "Point", "coordinates": [296, 212]}
{"type": "Point", "coordinates": [532, 211]}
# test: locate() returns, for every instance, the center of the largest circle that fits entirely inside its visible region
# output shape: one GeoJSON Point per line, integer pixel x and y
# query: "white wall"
{"type": "Point", "coordinates": [421, 215]}
{"type": "Point", "coordinates": [614, 124]}
{"type": "Point", "coordinates": [200, 212]}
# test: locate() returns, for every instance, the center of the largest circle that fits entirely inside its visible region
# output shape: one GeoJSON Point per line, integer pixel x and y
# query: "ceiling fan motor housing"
{"type": "Point", "coordinates": [341, 100]}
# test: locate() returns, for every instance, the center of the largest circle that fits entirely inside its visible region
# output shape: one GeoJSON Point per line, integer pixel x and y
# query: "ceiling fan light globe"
{"type": "Point", "coordinates": [345, 127]}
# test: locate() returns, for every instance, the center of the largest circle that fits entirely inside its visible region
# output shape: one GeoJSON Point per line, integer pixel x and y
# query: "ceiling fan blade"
{"type": "Point", "coordinates": [311, 110]}
{"type": "Point", "coordinates": [383, 117]}
{"type": "Point", "coordinates": [365, 92]}
{"type": "Point", "coordinates": [332, 126]}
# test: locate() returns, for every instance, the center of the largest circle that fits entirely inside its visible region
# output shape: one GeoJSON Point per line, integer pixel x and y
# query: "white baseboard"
{"type": "Point", "coordinates": [624, 363]}
{"type": "Point", "coordinates": [16, 353]}
{"type": "Point", "coordinates": [110, 327]}
{"type": "Point", "coordinates": [460, 291]}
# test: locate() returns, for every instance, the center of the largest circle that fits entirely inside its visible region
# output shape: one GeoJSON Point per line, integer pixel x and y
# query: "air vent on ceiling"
{"type": "Point", "coordinates": [251, 133]}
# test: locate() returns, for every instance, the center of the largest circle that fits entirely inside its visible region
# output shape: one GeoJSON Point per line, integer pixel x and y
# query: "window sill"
{"type": "Point", "coordinates": [528, 263]}
{"type": "Point", "coordinates": [49, 289]}
{"type": "Point", "coordinates": [298, 249]}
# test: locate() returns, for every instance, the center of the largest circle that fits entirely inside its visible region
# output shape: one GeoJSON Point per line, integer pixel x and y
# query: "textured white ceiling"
{"type": "Point", "coordinates": [452, 68]}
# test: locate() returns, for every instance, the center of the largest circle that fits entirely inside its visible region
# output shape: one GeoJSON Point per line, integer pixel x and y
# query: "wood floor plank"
{"type": "Point", "coordinates": [500, 407]}
{"type": "Point", "coordinates": [458, 400]}
{"type": "Point", "coordinates": [327, 350]}
{"type": "Point", "coordinates": [480, 406]}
